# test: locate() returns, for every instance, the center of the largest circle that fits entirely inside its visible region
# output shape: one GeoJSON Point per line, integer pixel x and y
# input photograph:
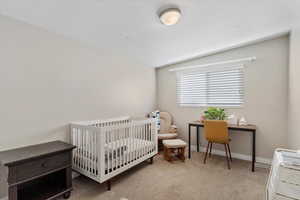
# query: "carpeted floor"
{"type": "Point", "coordinates": [191, 180]}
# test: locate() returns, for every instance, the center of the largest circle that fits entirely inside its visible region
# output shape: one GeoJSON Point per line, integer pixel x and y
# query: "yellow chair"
{"type": "Point", "coordinates": [216, 131]}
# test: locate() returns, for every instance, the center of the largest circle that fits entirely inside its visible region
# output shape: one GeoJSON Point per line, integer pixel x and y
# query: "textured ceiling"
{"type": "Point", "coordinates": [131, 27]}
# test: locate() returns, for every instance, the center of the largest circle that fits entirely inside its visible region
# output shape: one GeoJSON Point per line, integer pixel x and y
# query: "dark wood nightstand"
{"type": "Point", "coordinates": [38, 172]}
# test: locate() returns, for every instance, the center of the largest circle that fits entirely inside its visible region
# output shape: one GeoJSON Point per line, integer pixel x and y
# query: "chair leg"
{"type": "Point", "coordinates": [206, 152]}
{"type": "Point", "coordinates": [181, 154]}
{"type": "Point", "coordinates": [228, 162]}
{"type": "Point", "coordinates": [160, 146]}
{"type": "Point", "coordinates": [169, 154]}
{"type": "Point", "coordinates": [210, 149]}
{"type": "Point", "coordinates": [166, 150]}
{"type": "Point", "coordinates": [229, 152]}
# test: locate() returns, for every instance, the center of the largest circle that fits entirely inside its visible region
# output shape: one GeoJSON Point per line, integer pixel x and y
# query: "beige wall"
{"type": "Point", "coordinates": [294, 90]}
{"type": "Point", "coordinates": [47, 81]}
{"type": "Point", "coordinates": [266, 84]}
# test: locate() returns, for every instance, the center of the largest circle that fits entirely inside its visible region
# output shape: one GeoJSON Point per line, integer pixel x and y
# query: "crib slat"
{"type": "Point", "coordinates": [90, 152]}
{"type": "Point", "coordinates": [109, 151]}
{"type": "Point", "coordinates": [149, 139]}
{"type": "Point", "coordinates": [140, 141]}
{"type": "Point", "coordinates": [109, 164]}
{"type": "Point", "coordinates": [127, 144]}
{"type": "Point", "coordinates": [77, 144]}
{"type": "Point", "coordinates": [144, 144]}
{"type": "Point", "coordinates": [122, 156]}
{"type": "Point", "coordinates": [84, 148]}
{"type": "Point", "coordinates": [149, 136]}
{"type": "Point", "coordinates": [74, 143]}
{"type": "Point", "coordinates": [146, 140]}
{"type": "Point", "coordinates": [131, 143]}
{"type": "Point", "coordinates": [114, 153]}
{"type": "Point", "coordinates": [95, 154]}
{"type": "Point", "coordinates": [112, 150]}
{"type": "Point", "coordinates": [101, 154]}
{"type": "Point", "coordinates": [119, 146]}
{"type": "Point", "coordinates": [116, 147]}
{"type": "Point", "coordinates": [81, 149]}
{"type": "Point", "coordinates": [134, 143]}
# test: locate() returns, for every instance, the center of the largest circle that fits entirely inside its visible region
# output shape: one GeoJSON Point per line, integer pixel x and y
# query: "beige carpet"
{"type": "Point", "coordinates": [191, 180]}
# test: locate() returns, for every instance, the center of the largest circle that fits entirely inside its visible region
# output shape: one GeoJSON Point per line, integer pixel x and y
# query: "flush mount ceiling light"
{"type": "Point", "coordinates": [170, 16]}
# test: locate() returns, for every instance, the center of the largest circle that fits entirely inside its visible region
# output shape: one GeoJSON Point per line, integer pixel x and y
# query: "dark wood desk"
{"type": "Point", "coordinates": [247, 128]}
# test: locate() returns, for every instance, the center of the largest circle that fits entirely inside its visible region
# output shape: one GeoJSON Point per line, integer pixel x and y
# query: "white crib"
{"type": "Point", "coordinates": [106, 148]}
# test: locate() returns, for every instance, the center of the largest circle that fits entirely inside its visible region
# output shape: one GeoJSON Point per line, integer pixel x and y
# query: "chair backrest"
{"type": "Point", "coordinates": [216, 131]}
{"type": "Point", "coordinates": [165, 122]}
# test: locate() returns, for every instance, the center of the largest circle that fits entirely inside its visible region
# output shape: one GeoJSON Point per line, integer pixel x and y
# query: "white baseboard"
{"type": "Point", "coordinates": [260, 162]}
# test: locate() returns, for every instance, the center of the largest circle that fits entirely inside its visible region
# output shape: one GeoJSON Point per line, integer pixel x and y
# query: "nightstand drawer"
{"type": "Point", "coordinates": [41, 166]}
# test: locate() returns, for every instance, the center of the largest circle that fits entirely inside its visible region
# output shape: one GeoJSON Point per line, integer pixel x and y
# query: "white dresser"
{"type": "Point", "coordinates": [284, 178]}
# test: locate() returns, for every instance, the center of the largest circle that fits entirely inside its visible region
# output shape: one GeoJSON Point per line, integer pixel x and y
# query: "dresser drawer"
{"type": "Point", "coordinates": [40, 166]}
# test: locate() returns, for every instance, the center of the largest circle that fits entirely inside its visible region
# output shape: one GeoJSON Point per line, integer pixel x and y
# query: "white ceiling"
{"type": "Point", "coordinates": [131, 27]}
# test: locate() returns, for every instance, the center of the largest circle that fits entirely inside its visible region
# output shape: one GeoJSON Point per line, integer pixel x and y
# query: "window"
{"type": "Point", "coordinates": [211, 87]}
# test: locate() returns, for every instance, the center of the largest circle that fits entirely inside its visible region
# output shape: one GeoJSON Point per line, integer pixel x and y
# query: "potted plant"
{"type": "Point", "coordinates": [213, 113]}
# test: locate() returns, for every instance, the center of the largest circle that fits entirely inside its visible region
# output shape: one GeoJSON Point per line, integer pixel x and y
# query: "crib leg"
{"type": "Point", "coordinates": [151, 160]}
{"type": "Point", "coordinates": [108, 184]}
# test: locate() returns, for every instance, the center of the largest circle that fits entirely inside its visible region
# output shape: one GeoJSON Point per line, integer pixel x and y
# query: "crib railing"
{"type": "Point", "coordinates": [106, 148]}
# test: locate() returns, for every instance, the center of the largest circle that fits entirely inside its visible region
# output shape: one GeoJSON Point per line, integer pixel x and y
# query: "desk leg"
{"type": "Point", "coordinates": [197, 139]}
{"type": "Point", "coordinates": [253, 150]}
{"type": "Point", "coordinates": [189, 141]}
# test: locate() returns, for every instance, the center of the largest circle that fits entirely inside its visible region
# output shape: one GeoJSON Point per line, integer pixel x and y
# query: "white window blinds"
{"type": "Point", "coordinates": [211, 87]}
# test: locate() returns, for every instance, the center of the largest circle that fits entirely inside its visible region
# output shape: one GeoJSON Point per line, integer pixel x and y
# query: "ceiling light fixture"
{"type": "Point", "coordinates": [170, 16]}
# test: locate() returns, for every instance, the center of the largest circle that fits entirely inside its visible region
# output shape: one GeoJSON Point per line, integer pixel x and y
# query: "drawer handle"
{"type": "Point", "coordinates": [43, 165]}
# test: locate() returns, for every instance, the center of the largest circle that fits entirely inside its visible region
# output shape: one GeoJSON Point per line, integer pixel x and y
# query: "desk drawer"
{"type": "Point", "coordinates": [40, 166]}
